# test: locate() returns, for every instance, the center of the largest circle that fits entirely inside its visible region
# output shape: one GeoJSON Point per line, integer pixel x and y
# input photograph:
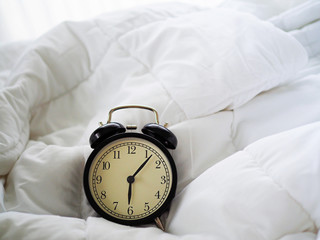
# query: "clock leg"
{"type": "Point", "coordinates": [159, 223]}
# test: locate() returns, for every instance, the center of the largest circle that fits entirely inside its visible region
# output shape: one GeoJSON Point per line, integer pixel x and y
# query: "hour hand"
{"type": "Point", "coordinates": [130, 180]}
{"type": "Point", "coordinates": [129, 193]}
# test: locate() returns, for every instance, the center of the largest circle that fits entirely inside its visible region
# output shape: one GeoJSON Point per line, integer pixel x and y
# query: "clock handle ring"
{"type": "Point", "coordinates": [134, 106]}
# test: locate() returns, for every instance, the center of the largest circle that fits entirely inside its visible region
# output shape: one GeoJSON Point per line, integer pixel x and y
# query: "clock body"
{"type": "Point", "coordinates": [130, 178]}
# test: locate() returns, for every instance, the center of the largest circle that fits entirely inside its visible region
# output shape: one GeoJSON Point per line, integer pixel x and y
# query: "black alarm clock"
{"type": "Point", "coordinates": [130, 177]}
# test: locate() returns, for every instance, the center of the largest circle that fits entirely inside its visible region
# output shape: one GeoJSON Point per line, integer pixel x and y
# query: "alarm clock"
{"type": "Point", "coordinates": [130, 177]}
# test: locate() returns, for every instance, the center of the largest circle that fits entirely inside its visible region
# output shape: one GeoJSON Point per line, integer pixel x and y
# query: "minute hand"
{"type": "Point", "coordinates": [142, 165]}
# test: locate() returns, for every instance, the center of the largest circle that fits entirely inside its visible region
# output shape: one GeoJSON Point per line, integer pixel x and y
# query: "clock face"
{"type": "Point", "coordinates": [130, 179]}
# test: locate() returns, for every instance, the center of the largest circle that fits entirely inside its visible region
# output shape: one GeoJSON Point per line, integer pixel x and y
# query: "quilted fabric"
{"type": "Point", "coordinates": [222, 79]}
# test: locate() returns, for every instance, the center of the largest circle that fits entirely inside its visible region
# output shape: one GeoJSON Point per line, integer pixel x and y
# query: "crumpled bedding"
{"type": "Point", "coordinates": [240, 93]}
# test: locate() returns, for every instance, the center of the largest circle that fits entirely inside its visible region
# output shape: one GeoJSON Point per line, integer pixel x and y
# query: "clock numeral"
{"type": "Point", "coordinates": [105, 165]}
{"type": "Point", "coordinates": [130, 210]}
{"type": "Point", "coordinates": [146, 206]}
{"type": "Point", "coordinates": [115, 205]}
{"type": "Point", "coordinates": [163, 180]}
{"type": "Point", "coordinates": [116, 154]}
{"type": "Point", "coordinates": [157, 195]}
{"type": "Point", "coordinates": [103, 195]}
{"type": "Point", "coordinates": [158, 163]}
{"type": "Point", "coordinates": [132, 149]}
{"type": "Point", "coordinates": [98, 179]}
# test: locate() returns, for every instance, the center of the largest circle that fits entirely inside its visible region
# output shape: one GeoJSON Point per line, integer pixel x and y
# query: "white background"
{"type": "Point", "coordinates": [27, 19]}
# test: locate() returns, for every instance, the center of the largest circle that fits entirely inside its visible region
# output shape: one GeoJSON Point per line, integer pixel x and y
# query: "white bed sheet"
{"type": "Point", "coordinates": [235, 182]}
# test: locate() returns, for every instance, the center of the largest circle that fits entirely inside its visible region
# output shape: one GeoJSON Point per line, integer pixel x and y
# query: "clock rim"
{"type": "Point", "coordinates": [165, 206]}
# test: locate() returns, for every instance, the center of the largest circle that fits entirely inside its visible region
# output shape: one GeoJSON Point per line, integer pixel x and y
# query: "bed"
{"type": "Point", "coordinates": [238, 85]}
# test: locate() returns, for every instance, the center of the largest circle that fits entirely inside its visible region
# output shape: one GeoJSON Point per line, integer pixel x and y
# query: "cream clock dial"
{"type": "Point", "coordinates": [130, 179]}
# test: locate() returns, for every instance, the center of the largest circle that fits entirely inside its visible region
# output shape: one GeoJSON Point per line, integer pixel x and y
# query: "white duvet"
{"type": "Point", "coordinates": [240, 93]}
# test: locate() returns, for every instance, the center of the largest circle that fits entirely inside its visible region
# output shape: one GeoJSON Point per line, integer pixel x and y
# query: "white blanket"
{"type": "Point", "coordinates": [223, 79]}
